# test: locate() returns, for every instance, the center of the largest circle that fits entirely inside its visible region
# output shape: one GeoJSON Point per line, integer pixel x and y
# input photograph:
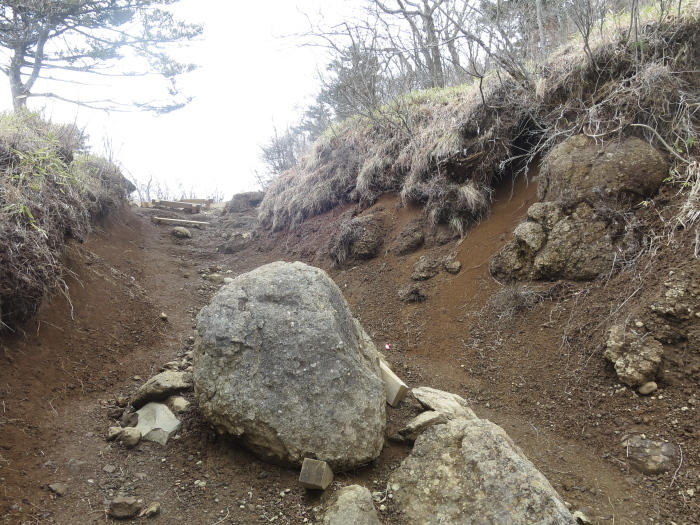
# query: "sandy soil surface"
{"type": "Point", "coordinates": [538, 372]}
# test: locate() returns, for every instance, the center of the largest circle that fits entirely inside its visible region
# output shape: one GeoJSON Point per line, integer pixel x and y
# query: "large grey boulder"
{"type": "Point", "coordinates": [353, 506]}
{"type": "Point", "coordinates": [470, 472]}
{"type": "Point", "coordinates": [580, 169]}
{"type": "Point", "coordinates": [280, 362]}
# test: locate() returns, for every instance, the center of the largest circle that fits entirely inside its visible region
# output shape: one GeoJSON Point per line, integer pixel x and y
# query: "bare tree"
{"type": "Point", "coordinates": [89, 37]}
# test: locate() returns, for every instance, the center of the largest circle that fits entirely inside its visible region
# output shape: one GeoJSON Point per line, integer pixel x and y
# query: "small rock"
{"type": "Point", "coordinates": [151, 510]}
{"type": "Point", "coordinates": [130, 437]}
{"type": "Point", "coordinates": [172, 365]}
{"type": "Point", "coordinates": [648, 388]}
{"type": "Point", "coordinates": [216, 278]}
{"type": "Point", "coordinates": [426, 268]}
{"type": "Point", "coordinates": [122, 401]}
{"type": "Point", "coordinates": [123, 508]}
{"type": "Point", "coordinates": [129, 419]}
{"type": "Point", "coordinates": [115, 413]}
{"type": "Point", "coordinates": [412, 294]}
{"type": "Point", "coordinates": [581, 518]}
{"type": "Point", "coordinates": [58, 488]}
{"type": "Point", "coordinates": [650, 457]}
{"type": "Point", "coordinates": [178, 404]}
{"type": "Point", "coordinates": [113, 433]}
{"type": "Point", "coordinates": [109, 469]}
{"type": "Point", "coordinates": [453, 267]}
{"type": "Point", "coordinates": [181, 233]}
{"type": "Point", "coordinates": [164, 316]}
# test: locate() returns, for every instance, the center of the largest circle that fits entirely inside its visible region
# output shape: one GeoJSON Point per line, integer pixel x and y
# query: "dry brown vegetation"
{"type": "Point", "coordinates": [448, 148]}
{"type": "Point", "coordinates": [50, 190]}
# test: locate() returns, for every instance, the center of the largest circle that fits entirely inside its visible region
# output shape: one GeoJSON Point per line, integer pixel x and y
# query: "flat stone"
{"type": "Point", "coordinates": [162, 386]}
{"type": "Point", "coordinates": [124, 508]}
{"type": "Point", "coordinates": [650, 457]}
{"type": "Point", "coordinates": [421, 423]}
{"type": "Point", "coordinates": [109, 469]}
{"type": "Point", "coordinates": [450, 405]}
{"type": "Point", "coordinates": [58, 488]}
{"type": "Point", "coordinates": [157, 423]}
{"type": "Point", "coordinates": [315, 474]}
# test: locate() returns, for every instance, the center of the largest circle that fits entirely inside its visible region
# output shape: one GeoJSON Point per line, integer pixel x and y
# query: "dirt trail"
{"type": "Point", "coordinates": [62, 375]}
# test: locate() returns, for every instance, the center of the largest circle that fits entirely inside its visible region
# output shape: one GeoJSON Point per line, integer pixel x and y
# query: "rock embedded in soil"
{"type": "Point", "coordinates": [150, 510]}
{"type": "Point", "coordinates": [124, 508]}
{"type": "Point", "coordinates": [580, 169]}
{"type": "Point", "coordinates": [113, 433]}
{"type": "Point", "coordinates": [178, 404]}
{"type": "Point", "coordinates": [635, 354]}
{"type": "Point", "coordinates": [281, 364]}
{"type": "Point", "coordinates": [412, 293]}
{"type": "Point", "coordinates": [353, 506]}
{"type": "Point", "coordinates": [650, 457]}
{"type": "Point", "coordinates": [426, 268]}
{"type": "Point", "coordinates": [181, 233]}
{"type": "Point", "coordinates": [453, 267]}
{"type": "Point", "coordinates": [162, 386]}
{"type": "Point", "coordinates": [448, 404]}
{"type": "Point", "coordinates": [470, 471]}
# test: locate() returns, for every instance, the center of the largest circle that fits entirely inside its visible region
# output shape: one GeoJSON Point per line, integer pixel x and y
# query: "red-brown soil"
{"type": "Point", "coordinates": [539, 373]}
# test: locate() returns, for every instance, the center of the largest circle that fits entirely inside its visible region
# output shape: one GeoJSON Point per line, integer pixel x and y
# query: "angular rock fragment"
{"type": "Point", "coordinates": [157, 423]}
{"type": "Point", "coordinates": [450, 405]}
{"type": "Point", "coordinates": [124, 508]}
{"type": "Point", "coordinates": [315, 474]}
{"type": "Point", "coordinates": [161, 387]}
{"type": "Point", "coordinates": [650, 457]}
{"type": "Point", "coordinates": [421, 423]}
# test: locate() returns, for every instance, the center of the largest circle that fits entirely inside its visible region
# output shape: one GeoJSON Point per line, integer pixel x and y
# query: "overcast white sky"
{"type": "Point", "coordinates": [249, 80]}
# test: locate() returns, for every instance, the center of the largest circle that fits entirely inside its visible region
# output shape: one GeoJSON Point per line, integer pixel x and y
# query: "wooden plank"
{"type": "Point", "coordinates": [172, 204]}
{"type": "Point", "coordinates": [204, 202]}
{"type": "Point", "coordinates": [165, 220]}
{"type": "Point", "coordinates": [315, 474]}
{"type": "Point", "coordinates": [396, 389]}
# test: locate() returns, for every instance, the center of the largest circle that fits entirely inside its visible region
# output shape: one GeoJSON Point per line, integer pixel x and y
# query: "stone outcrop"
{"type": "Point", "coordinates": [583, 229]}
{"type": "Point", "coordinates": [578, 169]}
{"type": "Point", "coordinates": [469, 471]}
{"type": "Point", "coordinates": [635, 354]}
{"type": "Point", "coordinates": [280, 363]}
{"type": "Point", "coordinates": [564, 243]}
{"type": "Point", "coordinates": [358, 238]}
{"type": "Point", "coordinates": [243, 202]}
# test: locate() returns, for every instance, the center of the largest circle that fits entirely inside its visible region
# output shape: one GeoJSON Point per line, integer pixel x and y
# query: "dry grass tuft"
{"type": "Point", "coordinates": [49, 191]}
{"type": "Point", "coordinates": [448, 148]}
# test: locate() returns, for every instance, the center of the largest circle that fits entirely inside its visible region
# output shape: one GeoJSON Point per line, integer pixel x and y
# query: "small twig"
{"type": "Point", "coordinates": [679, 467]}
{"type": "Point", "coordinates": [228, 511]}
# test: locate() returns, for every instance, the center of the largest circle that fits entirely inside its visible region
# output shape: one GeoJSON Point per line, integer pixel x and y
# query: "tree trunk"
{"type": "Point", "coordinates": [540, 26]}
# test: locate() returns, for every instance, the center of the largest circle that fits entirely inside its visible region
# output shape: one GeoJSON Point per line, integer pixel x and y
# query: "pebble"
{"type": "Point", "coordinates": [58, 488]}
{"type": "Point", "coordinates": [648, 388]}
{"type": "Point", "coordinates": [151, 510]}
{"type": "Point", "coordinates": [109, 469]}
{"type": "Point", "coordinates": [123, 507]}
{"type": "Point", "coordinates": [130, 437]}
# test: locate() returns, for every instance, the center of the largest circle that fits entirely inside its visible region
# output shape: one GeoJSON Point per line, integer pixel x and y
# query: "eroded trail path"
{"type": "Point", "coordinates": [62, 377]}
